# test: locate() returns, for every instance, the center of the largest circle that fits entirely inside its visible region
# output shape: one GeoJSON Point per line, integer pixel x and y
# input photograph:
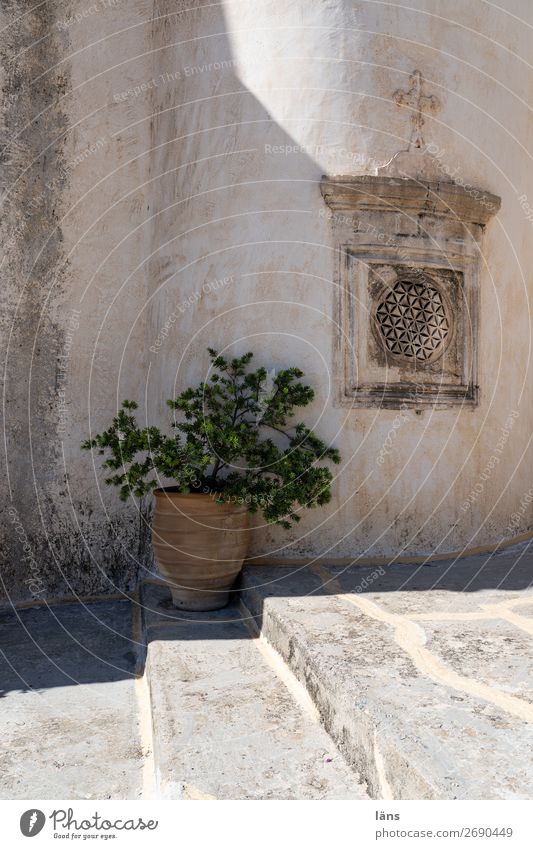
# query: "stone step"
{"type": "Point", "coordinates": [228, 720]}
{"type": "Point", "coordinates": [421, 675]}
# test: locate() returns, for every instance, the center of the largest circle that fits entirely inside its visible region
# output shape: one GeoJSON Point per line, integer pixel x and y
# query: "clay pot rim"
{"type": "Point", "coordinates": [169, 491]}
{"type": "Point", "coordinates": [204, 498]}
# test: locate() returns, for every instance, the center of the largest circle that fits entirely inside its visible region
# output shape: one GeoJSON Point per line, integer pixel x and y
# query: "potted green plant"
{"type": "Point", "coordinates": [224, 464]}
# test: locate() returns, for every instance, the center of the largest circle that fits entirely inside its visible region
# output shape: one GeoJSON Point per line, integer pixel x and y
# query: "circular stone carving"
{"type": "Point", "coordinates": [413, 320]}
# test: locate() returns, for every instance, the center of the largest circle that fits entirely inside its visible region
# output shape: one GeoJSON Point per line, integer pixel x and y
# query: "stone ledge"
{"type": "Point", "coordinates": [414, 197]}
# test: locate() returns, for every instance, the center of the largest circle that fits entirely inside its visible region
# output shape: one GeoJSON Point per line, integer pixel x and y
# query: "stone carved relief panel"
{"type": "Point", "coordinates": [407, 305]}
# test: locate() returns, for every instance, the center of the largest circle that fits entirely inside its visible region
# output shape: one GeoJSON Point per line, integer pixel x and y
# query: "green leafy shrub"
{"type": "Point", "coordinates": [221, 444]}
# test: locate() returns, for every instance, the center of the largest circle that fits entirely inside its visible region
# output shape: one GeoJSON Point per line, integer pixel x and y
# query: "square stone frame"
{"type": "Point", "coordinates": [404, 221]}
{"type": "Point", "coordinates": [353, 263]}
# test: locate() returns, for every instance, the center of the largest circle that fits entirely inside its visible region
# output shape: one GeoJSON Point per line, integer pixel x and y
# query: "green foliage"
{"type": "Point", "coordinates": [221, 445]}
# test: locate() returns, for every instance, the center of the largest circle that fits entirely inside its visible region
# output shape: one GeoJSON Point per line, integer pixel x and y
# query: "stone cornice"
{"type": "Point", "coordinates": [414, 197]}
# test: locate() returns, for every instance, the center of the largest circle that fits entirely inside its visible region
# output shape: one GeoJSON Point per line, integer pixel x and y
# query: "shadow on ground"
{"type": "Point", "coordinates": [73, 643]}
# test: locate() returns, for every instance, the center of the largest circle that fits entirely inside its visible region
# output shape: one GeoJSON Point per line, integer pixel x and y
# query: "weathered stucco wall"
{"type": "Point", "coordinates": [161, 169]}
{"type": "Point", "coordinates": [74, 169]}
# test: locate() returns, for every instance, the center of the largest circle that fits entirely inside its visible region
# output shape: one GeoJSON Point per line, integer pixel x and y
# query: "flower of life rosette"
{"type": "Point", "coordinates": [413, 321]}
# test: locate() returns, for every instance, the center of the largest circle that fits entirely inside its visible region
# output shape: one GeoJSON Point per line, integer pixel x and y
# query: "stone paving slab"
{"type": "Point", "coordinates": [225, 725]}
{"type": "Point", "coordinates": [422, 705]}
{"type": "Point", "coordinates": [493, 652]}
{"type": "Point", "coordinates": [69, 725]}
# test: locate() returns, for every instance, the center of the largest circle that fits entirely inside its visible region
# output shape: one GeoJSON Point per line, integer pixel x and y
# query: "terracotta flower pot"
{"type": "Point", "coordinates": [199, 546]}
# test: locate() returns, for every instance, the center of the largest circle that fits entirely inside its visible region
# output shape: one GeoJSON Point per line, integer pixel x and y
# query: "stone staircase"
{"type": "Point", "coordinates": [229, 720]}
{"type": "Point", "coordinates": [423, 676]}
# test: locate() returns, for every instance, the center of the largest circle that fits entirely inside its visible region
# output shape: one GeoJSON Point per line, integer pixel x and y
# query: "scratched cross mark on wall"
{"type": "Point", "coordinates": [419, 103]}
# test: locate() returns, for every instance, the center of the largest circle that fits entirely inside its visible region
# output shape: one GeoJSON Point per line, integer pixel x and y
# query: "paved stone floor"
{"type": "Point", "coordinates": [398, 682]}
{"type": "Point", "coordinates": [69, 721]}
